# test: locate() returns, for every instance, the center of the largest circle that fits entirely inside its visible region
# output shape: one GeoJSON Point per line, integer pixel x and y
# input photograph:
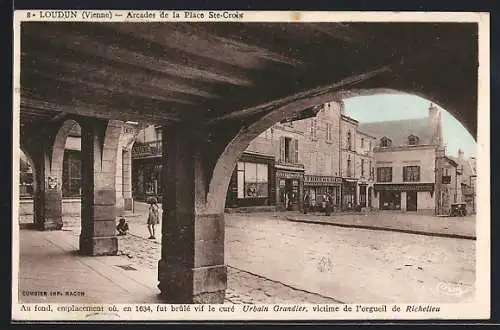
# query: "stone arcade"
{"type": "Point", "coordinates": [209, 110]}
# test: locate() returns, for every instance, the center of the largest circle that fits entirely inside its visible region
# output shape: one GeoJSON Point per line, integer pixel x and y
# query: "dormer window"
{"type": "Point", "coordinates": [385, 142]}
{"type": "Point", "coordinates": [413, 140]}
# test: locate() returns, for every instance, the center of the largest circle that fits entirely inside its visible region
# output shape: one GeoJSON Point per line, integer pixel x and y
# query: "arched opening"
{"type": "Point", "coordinates": [27, 182]}
{"type": "Point", "coordinates": [345, 162]}
{"type": "Point", "coordinates": [72, 176]}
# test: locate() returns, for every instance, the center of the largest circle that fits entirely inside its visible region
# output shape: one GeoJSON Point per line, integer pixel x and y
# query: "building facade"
{"type": "Point", "coordinates": [357, 161]}
{"type": "Point", "coordinates": [412, 171]}
{"type": "Point", "coordinates": [392, 165]}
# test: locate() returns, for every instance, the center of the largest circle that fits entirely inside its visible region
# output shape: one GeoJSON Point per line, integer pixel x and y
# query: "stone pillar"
{"type": "Point", "coordinates": [127, 179]}
{"type": "Point", "coordinates": [191, 269]}
{"type": "Point", "coordinates": [46, 149]}
{"type": "Point", "coordinates": [438, 193]}
{"type": "Point", "coordinates": [99, 145]}
{"type": "Point", "coordinates": [47, 199]}
{"type": "Point", "coordinates": [403, 201]}
{"type": "Point", "coordinates": [119, 180]}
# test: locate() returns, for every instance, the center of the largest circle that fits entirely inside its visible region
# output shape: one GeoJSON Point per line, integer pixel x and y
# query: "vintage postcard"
{"type": "Point", "coordinates": [250, 165]}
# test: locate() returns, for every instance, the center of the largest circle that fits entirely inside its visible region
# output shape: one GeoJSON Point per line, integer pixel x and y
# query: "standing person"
{"type": "Point", "coordinates": [153, 217]}
{"type": "Point", "coordinates": [328, 206]}
{"type": "Point", "coordinates": [306, 202]}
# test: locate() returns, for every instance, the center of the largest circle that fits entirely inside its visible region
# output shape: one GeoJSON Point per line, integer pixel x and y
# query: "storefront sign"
{"type": "Point", "coordinates": [318, 180]}
{"type": "Point", "coordinates": [289, 175]}
{"type": "Point", "coordinates": [52, 182]}
{"type": "Point", "coordinates": [405, 187]}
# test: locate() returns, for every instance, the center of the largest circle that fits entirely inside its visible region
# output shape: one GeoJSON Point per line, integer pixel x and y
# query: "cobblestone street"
{"type": "Point", "coordinates": [271, 260]}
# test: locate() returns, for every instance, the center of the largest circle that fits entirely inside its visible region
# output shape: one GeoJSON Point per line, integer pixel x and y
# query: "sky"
{"type": "Point", "coordinates": [384, 107]}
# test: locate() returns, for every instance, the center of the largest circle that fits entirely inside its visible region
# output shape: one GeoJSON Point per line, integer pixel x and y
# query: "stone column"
{"type": "Point", "coordinates": [45, 148]}
{"type": "Point", "coordinates": [191, 269]}
{"type": "Point", "coordinates": [119, 181]}
{"type": "Point", "coordinates": [47, 199]}
{"type": "Point", "coordinates": [127, 179]}
{"type": "Point", "coordinates": [99, 145]}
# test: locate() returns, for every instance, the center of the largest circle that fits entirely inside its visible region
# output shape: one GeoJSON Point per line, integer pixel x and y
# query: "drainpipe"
{"type": "Point", "coordinates": [340, 152]}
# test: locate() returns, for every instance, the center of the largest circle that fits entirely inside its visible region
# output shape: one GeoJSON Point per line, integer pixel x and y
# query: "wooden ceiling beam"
{"type": "Point", "coordinates": [195, 39]}
{"type": "Point", "coordinates": [103, 88]}
{"type": "Point", "coordinates": [93, 110]}
{"type": "Point", "coordinates": [81, 43]}
{"type": "Point", "coordinates": [133, 80]}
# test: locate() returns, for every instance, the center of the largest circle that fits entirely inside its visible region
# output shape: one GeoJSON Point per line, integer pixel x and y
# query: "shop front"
{"type": "Point", "coordinates": [252, 182]}
{"type": "Point", "coordinates": [363, 195]}
{"type": "Point", "coordinates": [146, 178]}
{"type": "Point", "coordinates": [405, 196]}
{"type": "Point", "coordinates": [349, 199]}
{"type": "Point", "coordinates": [318, 187]}
{"type": "Point", "coordinates": [290, 183]}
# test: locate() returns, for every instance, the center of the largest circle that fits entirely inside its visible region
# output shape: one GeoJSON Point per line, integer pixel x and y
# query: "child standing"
{"type": "Point", "coordinates": [153, 217]}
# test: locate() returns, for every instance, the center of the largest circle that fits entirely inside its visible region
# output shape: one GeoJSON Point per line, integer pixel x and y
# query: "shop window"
{"type": "Point", "coordinates": [411, 173]}
{"type": "Point", "coordinates": [71, 174]}
{"type": "Point", "coordinates": [252, 180]}
{"type": "Point", "coordinates": [25, 179]}
{"type": "Point", "coordinates": [413, 140]}
{"type": "Point", "coordinates": [385, 142]}
{"type": "Point", "coordinates": [384, 174]}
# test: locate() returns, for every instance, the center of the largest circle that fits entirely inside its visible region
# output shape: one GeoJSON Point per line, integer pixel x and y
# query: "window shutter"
{"type": "Point", "coordinates": [291, 151]}
{"type": "Point", "coordinates": [296, 156]}
{"type": "Point", "coordinates": [282, 149]}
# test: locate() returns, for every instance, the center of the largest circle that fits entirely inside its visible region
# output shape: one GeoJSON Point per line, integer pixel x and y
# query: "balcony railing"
{"type": "Point", "coordinates": [147, 149]}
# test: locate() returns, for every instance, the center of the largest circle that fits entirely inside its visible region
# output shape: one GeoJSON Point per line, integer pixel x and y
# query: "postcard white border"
{"type": "Point", "coordinates": [479, 309]}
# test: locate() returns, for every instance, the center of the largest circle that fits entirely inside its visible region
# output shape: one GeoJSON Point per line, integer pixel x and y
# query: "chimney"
{"type": "Point", "coordinates": [460, 154]}
{"type": "Point", "coordinates": [435, 125]}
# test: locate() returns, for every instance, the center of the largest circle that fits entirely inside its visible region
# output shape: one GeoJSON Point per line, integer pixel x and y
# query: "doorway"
{"type": "Point", "coordinates": [411, 200]}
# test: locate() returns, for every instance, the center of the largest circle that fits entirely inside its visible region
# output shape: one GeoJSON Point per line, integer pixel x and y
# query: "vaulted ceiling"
{"type": "Point", "coordinates": [172, 72]}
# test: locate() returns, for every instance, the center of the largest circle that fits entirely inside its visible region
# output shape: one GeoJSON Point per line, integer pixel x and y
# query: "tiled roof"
{"type": "Point", "coordinates": [399, 130]}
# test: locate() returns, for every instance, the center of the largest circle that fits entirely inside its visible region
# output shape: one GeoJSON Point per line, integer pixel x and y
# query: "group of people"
{"type": "Point", "coordinates": [152, 220]}
{"type": "Point", "coordinates": [328, 203]}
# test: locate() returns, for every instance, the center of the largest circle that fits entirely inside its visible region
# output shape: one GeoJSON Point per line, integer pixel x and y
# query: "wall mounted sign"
{"type": "Point", "coordinates": [52, 182]}
{"type": "Point", "coordinates": [317, 180]}
{"type": "Point", "coordinates": [405, 187]}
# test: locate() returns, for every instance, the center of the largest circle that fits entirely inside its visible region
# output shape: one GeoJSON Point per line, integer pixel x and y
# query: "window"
{"type": "Point", "coordinates": [349, 169]}
{"type": "Point", "coordinates": [362, 166]}
{"type": "Point", "coordinates": [411, 173]}
{"type": "Point", "coordinates": [413, 140]}
{"type": "Point", "coordinates": [252, 180]}
{"type": "Point", "coordinates": [349, 144]}
{"type": "Point", "coordinates": [289, 150]}
{"type": "Point", "coordinates": [370, 146]}
{"type": "Point", "coordinates": [158, 133]}
{"type": "Point", "coordinates": [329, 133]}
{"type": "Point", "coordinates": [385, 142]}
{"type": "Point", "coordinates": [71, 173]}
{"type": "Point", "coordinates": [314, 127]}
{"type": "Point", "coordinates": [362, 142]}
{"type": "Point", "coordinates": [384, 174]}
{"type": "Point", "coordinates": [370, 170]}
